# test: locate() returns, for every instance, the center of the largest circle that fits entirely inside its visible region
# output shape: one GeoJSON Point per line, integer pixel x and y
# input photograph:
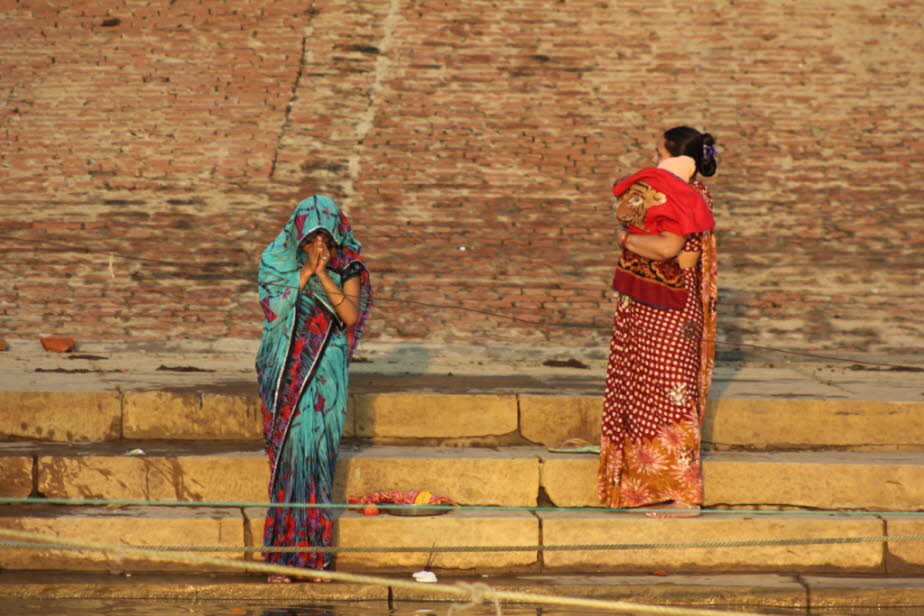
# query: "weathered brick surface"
{"type": "Point", "coordinates": [473, 143]}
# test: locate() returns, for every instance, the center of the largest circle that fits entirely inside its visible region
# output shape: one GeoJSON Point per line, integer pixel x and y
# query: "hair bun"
{"type": "Point", "coordinates": [708, 165]}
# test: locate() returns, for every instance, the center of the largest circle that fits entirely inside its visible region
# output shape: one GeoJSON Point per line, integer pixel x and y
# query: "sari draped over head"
{"type": "Point", "coordinates": [302, 374]}
{"type": "Point", "coordinates": [662, 349]}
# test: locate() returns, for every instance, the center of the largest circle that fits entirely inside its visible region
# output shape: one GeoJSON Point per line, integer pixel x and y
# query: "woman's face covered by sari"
{"type": "Point", "coordinates": [318, 239]}
{"type": "Point", "coordinates": [316, 219]}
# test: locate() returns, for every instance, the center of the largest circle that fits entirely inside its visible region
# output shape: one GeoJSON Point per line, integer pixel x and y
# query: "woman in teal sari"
{"type": "Point", "coordinates": [315, 295]}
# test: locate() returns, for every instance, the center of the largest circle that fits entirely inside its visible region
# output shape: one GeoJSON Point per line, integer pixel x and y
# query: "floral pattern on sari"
{"type": "Point", "coordinates": [658, 378]}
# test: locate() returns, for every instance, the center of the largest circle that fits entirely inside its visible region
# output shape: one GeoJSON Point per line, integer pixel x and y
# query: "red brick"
{"type": "Point", "coordinates": [461, 129]}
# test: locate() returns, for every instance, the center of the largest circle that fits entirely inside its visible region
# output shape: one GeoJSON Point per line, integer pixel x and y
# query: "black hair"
{"type": "Point", "coordinates": [686, 141]}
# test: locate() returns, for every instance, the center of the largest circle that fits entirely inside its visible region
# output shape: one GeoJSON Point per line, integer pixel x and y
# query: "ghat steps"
{"type": "Point", "coordinates": [505, 476]}
{"type": "Point", "coordinates": [777, 447]}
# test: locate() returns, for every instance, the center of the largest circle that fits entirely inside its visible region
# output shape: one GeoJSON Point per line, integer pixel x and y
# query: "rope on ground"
{"type": "Point", "coordinates": [589, 547]}
{"type": "Point", "coordinates": [472, 594]}
{"type": "Point", "coordinates": [105, 502]}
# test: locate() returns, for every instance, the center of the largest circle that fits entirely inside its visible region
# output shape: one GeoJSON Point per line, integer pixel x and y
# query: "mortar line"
{"type": "Point", "coordinates": [121, 412]}
{"type": "Point", "coordinates": [540, 555]}
{"type": "Point", "coordinates": [808, 594]}
{"type": "Point", "coordinates": [516, 397]}
{"type": "Point", "coordinates": [35, 474]}
{"type": "Point", "coordinates": [885, 545]}
{"type": "Point", "coordinates": [248, 534]}
{"type": "Point", "coordinates": [596, 509]}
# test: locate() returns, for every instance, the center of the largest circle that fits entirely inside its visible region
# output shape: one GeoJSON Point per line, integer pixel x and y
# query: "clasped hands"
{"type": "Point", "coordinates": [318, 253]}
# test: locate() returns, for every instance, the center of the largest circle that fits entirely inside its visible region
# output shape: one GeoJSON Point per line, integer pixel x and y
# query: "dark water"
{"type": "Point", "coordinates": [129, 607]}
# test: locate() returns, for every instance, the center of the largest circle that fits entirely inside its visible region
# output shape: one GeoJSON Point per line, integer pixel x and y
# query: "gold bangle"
{"type": "Point", "coordinates": [342, 298]}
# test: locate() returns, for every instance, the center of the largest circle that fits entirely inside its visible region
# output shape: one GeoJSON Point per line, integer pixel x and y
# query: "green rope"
{"type": "Point", "coordinates": [6, 500]}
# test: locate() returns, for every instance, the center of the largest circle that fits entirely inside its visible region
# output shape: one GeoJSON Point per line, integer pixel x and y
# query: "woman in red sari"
{"type": "Point", "coordinates": [662, 351]}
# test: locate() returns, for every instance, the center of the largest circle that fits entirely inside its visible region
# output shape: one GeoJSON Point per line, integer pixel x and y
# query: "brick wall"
{"type": "Point", "coordinates": [148, 151]}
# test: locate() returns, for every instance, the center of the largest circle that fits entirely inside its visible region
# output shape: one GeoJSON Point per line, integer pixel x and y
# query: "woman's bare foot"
{"type": "Point", "coordinates": [688, 510]}
{"type": "Point", "coordinates": [278, 579]}
{"type": "Point", "coordinates": [289, 579]}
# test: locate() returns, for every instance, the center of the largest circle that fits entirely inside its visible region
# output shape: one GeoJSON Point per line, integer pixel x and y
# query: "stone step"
{"type": "Point", "coordinates": [508, 476]}
{"type": "Point", "coordinates": [159, 526]}
{"type": "Point", "coordinates": [751, 423]}
{"type": "Point", "coordinates": [141, 526]}
{"type": "Point", "coordinates": [811, 480]}
{"type": "Point", "coordinates": [583, 528]}
{"type": "Point", "coordinates": [27, 593]}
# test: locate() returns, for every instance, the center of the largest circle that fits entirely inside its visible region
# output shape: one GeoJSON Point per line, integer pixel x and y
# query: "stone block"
{"type": "Point", "coordinates": [907, 555]}
{"type": "Point", "coordinates": [139, 526]}
{"type": "Point", "coordinates": [415, 415]}
{"type": "Point", "coordinates": [865, 595]}
{"type": "Point", "coordinates": [60, 416]}
{"type": "Point", "coordinates": [457, 528]}
{"type": "Point", "coordinates": [823, 480]}
{"type": "Point", "coordinates": [570, 479]}
{"type": "Point", "coordinates": [232, 416]}
{"type": "Point", "coordinates": [161, 415]}
{"type": "Point", "coordinates": [169, 415]}
{"type": "Point", "coordinates": [799, 423]}
{"type": "Point", "coordinates": [230, 476]}
{"type": "Point", "coordinates": [15, 476]}
{"type": "Point", "coordinates": [469, 476]}
{"type": "Point", "coordinates": [589, 528]}
{"type": "Point", "coordinates": [550, 420]}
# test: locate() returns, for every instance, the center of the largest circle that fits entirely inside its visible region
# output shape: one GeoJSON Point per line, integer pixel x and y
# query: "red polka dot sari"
{"type": "Point", "coordinates": [661, 361]}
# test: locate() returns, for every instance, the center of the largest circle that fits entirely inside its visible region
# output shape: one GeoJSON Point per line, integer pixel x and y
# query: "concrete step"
{"type": "Point", "coordinates": [507, 476]}
{"type": "Point", "coordinates": [158, 526]}
{"type": "Point", "coordinates": [29, 593]}
{"type": "Point", "coordinates": [469, 419]}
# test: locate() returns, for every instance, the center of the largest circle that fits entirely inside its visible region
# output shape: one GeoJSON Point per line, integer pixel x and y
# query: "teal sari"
{"type": "Point", "coordinates": [302, 376]}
